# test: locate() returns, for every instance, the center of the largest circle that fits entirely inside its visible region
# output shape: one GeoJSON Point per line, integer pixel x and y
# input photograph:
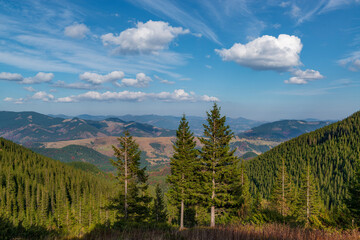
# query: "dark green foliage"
{"type": "Point", "coordinates": [218, 178]}
{"type": "Point", "coordinates": [77, 153]}
{"type": "Point", "coordinates": [282, 198]}
{"type": "Point", "coordinates": [331, 151]}
{"type": "Point", "coordinates": [283, 130]}
{"type": "Point", "coordinates": [36, 191]}
{"type": "Point", "coordinates": [158, 213]}
{"type": "Point", "coordinates": [182, 179]}
{"type": "Point", "coordinates": [353, 202]}
{"type": "Point", "coordinates": [132, 203]}
{"type": "Point", "coordinates": [249, 155]}
{"type": "Point", "coordinates": [88, 167]}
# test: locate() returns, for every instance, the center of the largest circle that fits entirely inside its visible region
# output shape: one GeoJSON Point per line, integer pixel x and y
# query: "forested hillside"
{"type": "Point", "coordinates": [77, 153]}
{"type": "Point", "coordinates": [331, 150]}
{"type": "Point", "coordinates": [38, 191]}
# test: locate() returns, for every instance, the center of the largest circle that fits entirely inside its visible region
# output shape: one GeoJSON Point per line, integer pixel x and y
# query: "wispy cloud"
{"type": "Point", "coordinates": [171, 10]}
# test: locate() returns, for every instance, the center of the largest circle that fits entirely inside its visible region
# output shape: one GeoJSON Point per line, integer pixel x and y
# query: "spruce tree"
{"type": "Point", "coordinates": [281, 195]}
{"type": "Point", "coordinates": [308, 203]}
{"type": "Point", "coordinates": [353, 202]}
{"type": "Point", "coordinates": [159, 210]}
{"type": "Point", "coordinates": [218, 162]}
{"type": "Point", "coordinates": [181, 179]}
{"type": "Point", "coordinates": [132, 202]}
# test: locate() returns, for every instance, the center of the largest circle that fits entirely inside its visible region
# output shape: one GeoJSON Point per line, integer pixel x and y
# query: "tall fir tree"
{"type": "Point", "coordinates": [218, 163]}
{"type": "Point", "coordinates": [132, 202]}
{"type": "Point", "coordinates": [308, 201]}
{"type": "Point", "coordinates": [159, 209]}
{"type": "Point", "coordinates": [282, 193]}
{"type": "Point", "coordinates": [353, 202]}
{"type": "Point", "coordinates": [182, 178]}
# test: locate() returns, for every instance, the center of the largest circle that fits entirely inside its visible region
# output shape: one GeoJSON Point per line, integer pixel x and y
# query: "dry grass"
{"type": "Point", "coordinates": [248, 232]}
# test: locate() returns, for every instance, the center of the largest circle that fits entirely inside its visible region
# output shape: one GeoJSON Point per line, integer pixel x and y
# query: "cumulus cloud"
{"type": "Point", "coordinates": [40, 77]}
{"type": "Point", "coordinates": [14, 100]}
{"type": "Point", "coordinates": [46, 97]}
{"type": "Point", "coordinates": [30, 89]}
{"type": "Point", "coordinates": [11, 76]}
{"type": "Point", "coordinates": [76, 85]}
{"type": "Point", "coordinates": [76, 30]}
{"type": "Point", "coordinates": [303, 77]}
{"type": "Point", "coordinates": [95, 78]}
{"type": "Point", "coordinates": [141, 80]}
{"type": "Point", "coordinates": [176, 95]}
{"type": "Point", "coordinates": [145, 38]}
{"type": "Point", "coordinates": [265, 53]}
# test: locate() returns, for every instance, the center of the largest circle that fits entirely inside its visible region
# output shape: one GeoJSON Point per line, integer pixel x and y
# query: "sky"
{"type": "Point", "coordinates": [263, 60]}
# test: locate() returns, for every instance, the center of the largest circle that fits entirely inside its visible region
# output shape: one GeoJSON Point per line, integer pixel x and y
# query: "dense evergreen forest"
{"type": "Point", "coordinates": [37, 192]}
{"type": "Point", "coordinates": [311, 182]}
{"type": "Point", "coordinates": [332, 152]}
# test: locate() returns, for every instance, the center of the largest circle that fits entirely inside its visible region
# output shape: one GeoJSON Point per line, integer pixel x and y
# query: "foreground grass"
{"type": "Point", "coordinates": [247, 232]}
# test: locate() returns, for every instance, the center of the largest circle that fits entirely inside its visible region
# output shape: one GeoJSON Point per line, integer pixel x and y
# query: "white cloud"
{"type": "Point", "coordinates": [46, 97]}
{"type": "Point", "coordinates": [76, 30]}
{"type": "Point", "coordinates": [40, 77]}
{"type": "Point", "coordinates": [141, 80]}
{"type": "Point", "coordinates": [266, 53]}
{"type": "Point", "coordinates": [352, 62]}
{"type": "Point", "coordinates": [14, 100]}
{"type": "Point", "coordinates": [164, 81]}
{"type": "Point", "coordinates": [76, 85]}
{"type": "Point", "coordinates": [11, 76]}
{"type": "Point", "coordinates": [146, 38]}
{"type": "Point", "coordinates": [95, 78]}
{"type": "Point", "coordinates": [30, 89]}
{"type": "Point", "coordinates": [176, 95]}
{"type": "Point", "coordinates": [303, 77]}
{"type": "Point", "coordinates": [208, 66]}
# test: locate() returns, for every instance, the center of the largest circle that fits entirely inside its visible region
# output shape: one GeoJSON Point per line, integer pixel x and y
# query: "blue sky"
{"type": "Point", "coordinates": [263, 60]}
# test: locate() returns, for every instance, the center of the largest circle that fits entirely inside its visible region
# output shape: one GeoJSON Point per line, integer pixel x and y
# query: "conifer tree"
{"type": "Point", "coordinates": [218, 162]}
{"type": "Point", "coordinates": [281, 195]}
{"type": "Point", "coordinates": [308, 204]}
{"type": "Point", "coordinates": [132, 202]}
{"type": "Point", "coordinates": [183, 163]}
{"type": "Point", "coordinates": [159, 210]}
{"type": "Point", "coordinates": [353, 202]}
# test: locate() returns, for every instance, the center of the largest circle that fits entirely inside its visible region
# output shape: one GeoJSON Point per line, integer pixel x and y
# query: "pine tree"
{"type": "Point", "coordinates": [218, 162]}
{"type": "Point", "coordinates": [159, 210]}
{"type": "Point", "coordinates": [308, 204]}
{"type": "Point", "coordinates": [353, 202]}
{"type": "Point", "coordinates": [245, 196]}
{"type": "Point", "coordinates": [132, 202]}
{"type": "Point", "coordinates": [281, 195]}
{"type": "Point", "coordinates": [183, 163]}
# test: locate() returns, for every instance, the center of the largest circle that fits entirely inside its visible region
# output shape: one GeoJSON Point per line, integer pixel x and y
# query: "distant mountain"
{"type": "Point", "coordinates": [283, 130]}
{"type": "Point", "coordinates": [332, 151]}
{"type": "Point", "coordinates": [77, 153]}
{"type": "Point", "coordinates": [172, 122]}
{"type": "Point", "coordinates": [30, 127]}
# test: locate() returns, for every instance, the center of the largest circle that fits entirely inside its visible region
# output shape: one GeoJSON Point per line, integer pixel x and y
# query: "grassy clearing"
{"type": "Point", "coordinates": [241, 232]}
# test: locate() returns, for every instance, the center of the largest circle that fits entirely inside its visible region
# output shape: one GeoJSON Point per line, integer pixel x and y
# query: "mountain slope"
{"type": "Point", "coordinates": [331, 150]}
{"type": "Point", "coordinates": [30, 127]}
{"type": "Point", "coordinates": [77, 153]}
{"type": "Point", "coordinates": [36, 190]}
{"type": "Point", "coordinates": [283, 130]}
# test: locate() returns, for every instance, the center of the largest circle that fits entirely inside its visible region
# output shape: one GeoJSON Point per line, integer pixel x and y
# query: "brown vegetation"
{"type": "Point", "coordinates": [247, 232]}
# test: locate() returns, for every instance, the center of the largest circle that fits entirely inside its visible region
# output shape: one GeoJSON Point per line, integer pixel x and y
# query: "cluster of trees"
{"type": "Point", "coordinates": [304, 181]}
{"type": "Point", "coordinates": [133, 203]}
{"type": "Point", "coordinates": [40, 193]}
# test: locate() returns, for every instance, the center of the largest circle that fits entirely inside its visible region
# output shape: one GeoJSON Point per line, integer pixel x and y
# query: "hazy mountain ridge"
{"type": "Point", "coordinates": [30, 127]}
{"type": "Point", "coordinates": [283, 130]}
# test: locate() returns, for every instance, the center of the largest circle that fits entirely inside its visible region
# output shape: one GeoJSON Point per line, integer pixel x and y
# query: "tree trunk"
{"type": "Point", "coordinates": [126, 182]}
{"type": "Point", "coordinates": [182, 215]}
{"type": "Point", "coordinates": [212, 221]}
{"type": "Point", "coordinates": [308, 196]}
